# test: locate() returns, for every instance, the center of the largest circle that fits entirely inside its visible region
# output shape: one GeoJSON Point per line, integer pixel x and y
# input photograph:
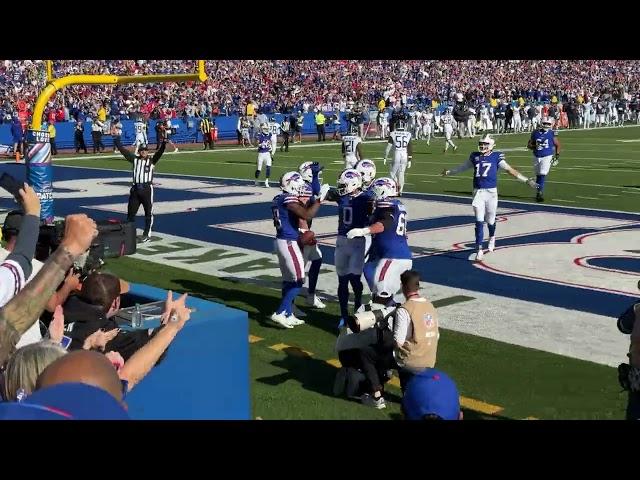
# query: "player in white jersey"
{"type": "Point", "coordinates": [427, 124]}
{"type": "Point", "coordinates": [274, 130]}
{"type": "Point", "coordinates": [140, 127]}
{"type": "Point", "coordinates": [448, 123]}
{"type": "Point", "coordinates": [351, 147]}
{"type": "Point", "coordinates": [412, 119]}
{"type": "Point", "coordinates": [516, 122]}
{"type": "Point", "coordinates": [245, 125]}
{"type": "Point", "coordinates": [416, 132]}
{"type": "Point", "coordinates": [484, 119]}
{"type": "Point", "coordinates": [471, 123]}
{"type": "Point", "coordinates": [400, 141]}
{"type": "Point", "coordinates": [384, 124]}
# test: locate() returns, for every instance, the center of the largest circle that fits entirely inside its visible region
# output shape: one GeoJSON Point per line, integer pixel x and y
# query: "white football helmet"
{"type": "Point", "coordinates": [305, 171]}
{"type": "Point", "coordinates": [486, 144]}
{"type": "Point", "coordinates": [547, 123]}
{"type": "Point", "coordinates": [367, 169]}
{"type": "Point", "coordinates": [292, 182]}
{"type": "Point", "coordinates": [349, 181]}
{"type": "Point", "coordinates": [384, 187]}
{"type": "Point", "coordinates": [264, 128]}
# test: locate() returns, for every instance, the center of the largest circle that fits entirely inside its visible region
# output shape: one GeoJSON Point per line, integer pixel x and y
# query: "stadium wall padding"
{"type": "Point", "coordinates": [205, 373]}
{"type": "Point", "coordinates": [187, 132]}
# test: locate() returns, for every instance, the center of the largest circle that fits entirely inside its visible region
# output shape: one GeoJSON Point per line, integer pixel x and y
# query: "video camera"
{"type": "Point", "coordinates": [628, 318]}
{"type": "Point", "coordinates": [114, 240]}
{"type": "Point", "coordinates": [372, 318]}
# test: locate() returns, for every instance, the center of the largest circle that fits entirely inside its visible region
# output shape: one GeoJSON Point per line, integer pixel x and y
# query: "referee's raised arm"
{"type": "Point", "coordinates": [125, 153]}
{"type": "Point", "coordinates": [156, 156]}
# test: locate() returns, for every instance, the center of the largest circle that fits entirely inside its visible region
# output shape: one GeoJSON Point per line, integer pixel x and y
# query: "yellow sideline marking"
{"type": "Point", "coordinates": [254, 339]}
{"type": "Point", "coordinates": [465, 402]}
{"type": "Point", "coordinates": [295, 351]}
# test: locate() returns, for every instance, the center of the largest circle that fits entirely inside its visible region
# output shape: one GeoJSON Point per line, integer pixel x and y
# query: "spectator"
{"type": "Point", "coordinates": [17, 316]}
{"type": "Point", "coordinates": [94, 308]}
{"type": "Point", "coordinates": [25, 365]}
{"type": "Point", "coordinates": [431, 395]}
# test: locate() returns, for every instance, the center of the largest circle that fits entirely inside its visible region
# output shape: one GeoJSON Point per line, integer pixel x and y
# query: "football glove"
{"type": "Point", "coordinates": [384, 161]}
{"type": "Point", "coordinates": [357, 232]}
{"type": "Point", "coordinates": [556, 160]}
{"type": "Point", "coordinates": [323, 191]}
{"type": "Point", "coordinates": [532, 183]}
{"type": "Point", "coordinates": [316, 169]}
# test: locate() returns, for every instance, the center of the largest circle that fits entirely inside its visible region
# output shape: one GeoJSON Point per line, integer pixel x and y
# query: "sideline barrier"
{"type": "Point", "coordinates": [205, 373]}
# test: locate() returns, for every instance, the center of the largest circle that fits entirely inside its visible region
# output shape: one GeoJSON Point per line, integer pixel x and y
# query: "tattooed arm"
{"type": "Point", "coordinates": [26, 307]}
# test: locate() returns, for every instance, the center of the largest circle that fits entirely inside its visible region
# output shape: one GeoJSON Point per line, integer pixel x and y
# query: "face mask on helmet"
{"type": "Point", "coordinates": [292, 183]}
{"type": "Point", "coordinates": [348, 182]}
{"type": "Point", "coordinates": [367, 169]}
{"type": "Point", "coordinates": [484, 147]}
{"type": "Point", "coordinates": [265, 128]}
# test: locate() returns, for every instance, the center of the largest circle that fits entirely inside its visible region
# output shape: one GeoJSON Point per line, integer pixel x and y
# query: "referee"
{"type": "Point", "coordinates": [142, 189]}
{"type": "Point", "coordinates": [207, 133]}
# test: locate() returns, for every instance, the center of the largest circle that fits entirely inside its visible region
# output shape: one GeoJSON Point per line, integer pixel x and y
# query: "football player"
{"type": "Point", "coordinates": [245, 124]}
{"type": "Point", "coordinates": [311, 253]}
{"type": "Point", "coordinates": [264, 153]}
{"type": "Point", "coordinates": [400, 141]}
{"type": "Point", "coordinates": [389, 230]}
{"type": "Point", "coordinates": [543, 142]}
{"type": "Point", "coordinates": [367, 170]}
{"type": "Point", "coordinates": [448, 123]}
{"type": "Point", "coordinates": [427, 124]}
{"type": "Point", "coordinates": [140, 127]}
{"type": "Point", "coordinates": [351, 147]}
{"type": "Point", "coordinates": [274, 130]}
{"type": "Point", "coordinates": [485, 164]}
{"type": "Point", "coordinates": [287, 212]}
{"type": "Point", "coordinates": [353, 212]}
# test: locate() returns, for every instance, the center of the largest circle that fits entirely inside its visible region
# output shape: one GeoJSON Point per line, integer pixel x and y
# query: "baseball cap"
{"type": "Point", "coordinates": [431, 392]}
{"type": "Point", "coordinates": [66, 401]}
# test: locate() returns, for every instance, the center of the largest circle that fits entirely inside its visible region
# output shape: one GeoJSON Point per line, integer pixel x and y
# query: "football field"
{"type": "Point", "coordinates": [527, 333]}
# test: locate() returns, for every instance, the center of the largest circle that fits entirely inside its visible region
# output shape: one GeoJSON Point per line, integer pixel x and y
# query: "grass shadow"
{"type": "Point", "coordinates": [313, 374]}
{"type": "Point", "coordinates": [264, 304]}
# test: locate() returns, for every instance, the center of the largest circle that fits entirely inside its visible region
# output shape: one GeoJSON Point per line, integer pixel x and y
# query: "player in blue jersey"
{"type": "Point", "coordinates": [312, 255]}
{"type": "Point", "coordinates": [389, 230]}
{"type": "Point", "coordinates": [353, 212]}
{"type": "Point", "coordinates": [485, 164]}
{"type": "Point", "coordinates": [264, 153]}
{"type": "Point", "coordinates": [367, 169]}
{"type": "Point", "coordinates": [287, 212]}
{"type": "Point", "coordinates": [546, 149]}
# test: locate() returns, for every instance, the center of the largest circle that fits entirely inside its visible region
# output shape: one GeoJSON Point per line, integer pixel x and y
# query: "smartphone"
{"type": "Point", "coordinates": [11, 185]}
{"type": "Point", "coordinates": [66, 341]}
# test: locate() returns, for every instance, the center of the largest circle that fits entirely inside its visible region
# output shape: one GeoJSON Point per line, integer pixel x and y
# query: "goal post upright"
{"type": "Point", "coordinates": [38, 159]}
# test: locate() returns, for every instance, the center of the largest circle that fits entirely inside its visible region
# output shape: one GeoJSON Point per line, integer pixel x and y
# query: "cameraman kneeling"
{"type": "Point", "coordinates": [410, 348]}
{"type": "Point", "coordinates": [629, 374]}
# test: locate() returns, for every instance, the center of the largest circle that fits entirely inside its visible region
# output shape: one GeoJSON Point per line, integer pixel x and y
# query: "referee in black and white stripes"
{"type": "Point", "coordinates": [142, 189]}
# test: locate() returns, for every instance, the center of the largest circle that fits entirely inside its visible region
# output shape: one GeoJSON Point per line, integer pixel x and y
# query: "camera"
{"type": "Point", "coordinates": [372, 318]}
{"type": "Point", "coordinates": [628, 318]}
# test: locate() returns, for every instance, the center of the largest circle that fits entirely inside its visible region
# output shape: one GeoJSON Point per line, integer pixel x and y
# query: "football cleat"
{"type": "Point", "coordinates": [281, 320]}
{"type": "Point", "coordinates": [492, 244]}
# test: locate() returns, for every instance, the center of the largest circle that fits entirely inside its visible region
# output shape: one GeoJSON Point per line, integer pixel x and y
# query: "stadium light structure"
{"type": "Point", "coordinates": [38, 161]}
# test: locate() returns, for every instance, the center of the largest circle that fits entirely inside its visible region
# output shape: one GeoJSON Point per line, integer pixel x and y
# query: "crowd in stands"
{"type": "Point", "coordinates": [304, 85]}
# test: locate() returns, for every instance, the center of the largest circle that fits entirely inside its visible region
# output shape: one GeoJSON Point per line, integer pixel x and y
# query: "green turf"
{"type": "Point", "coordinates": [593, 164]}
{"type": "Point", "coordinates": [523, 381]}
{"type": "Point", "coordinates": [288, 386]}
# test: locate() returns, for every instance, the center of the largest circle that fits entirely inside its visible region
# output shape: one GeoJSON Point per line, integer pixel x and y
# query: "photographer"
{"type": "Point", "coordinates": [629, 374]}
{"type": "Point", "coordinates": [410, 348]}
{"type": "Point", "coordinates": [366, 328]}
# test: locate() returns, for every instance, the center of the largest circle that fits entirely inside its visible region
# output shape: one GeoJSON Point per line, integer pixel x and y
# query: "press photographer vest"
{"type": "Point", "coordinates": [419, 351]}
